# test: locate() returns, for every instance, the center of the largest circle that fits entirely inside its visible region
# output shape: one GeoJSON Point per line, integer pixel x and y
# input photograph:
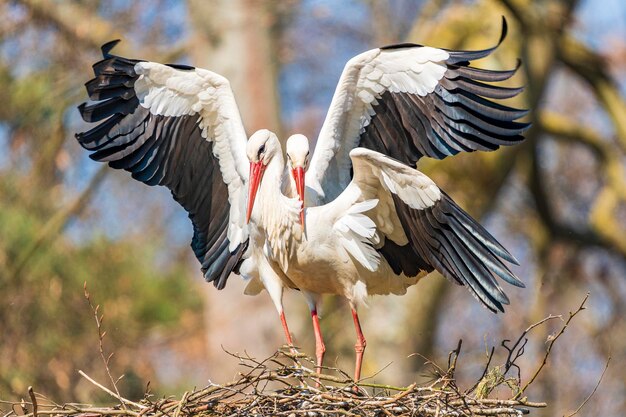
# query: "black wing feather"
{"type": "Point", "coordinates": [458, 116]}
{"type": "Point", "coordinates": [446, 238]}
{"type": "Point", "coordinates": [161, 150]}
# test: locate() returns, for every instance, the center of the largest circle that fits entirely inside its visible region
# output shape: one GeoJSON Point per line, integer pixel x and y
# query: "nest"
{"type": "Point", "coordinates": [285, 384]}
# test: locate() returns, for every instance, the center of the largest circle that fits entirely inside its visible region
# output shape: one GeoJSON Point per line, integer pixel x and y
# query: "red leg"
{"type": "Point", "coordinates": [359, 347]}
{"type": "Point", "coordinates": [320, 348]}
{"type": "Point", "coordinates": [285, 328]}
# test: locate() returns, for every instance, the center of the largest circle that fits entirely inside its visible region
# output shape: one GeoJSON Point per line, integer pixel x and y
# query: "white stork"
{"type": "Point", "coordinates": [179, 126]}
{"type": "Point", "coordinates": [385, 225]}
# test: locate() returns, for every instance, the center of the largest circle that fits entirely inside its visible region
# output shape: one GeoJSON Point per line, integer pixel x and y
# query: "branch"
{"type": "Point", "coordinates": [552, 341]}
{"type": "Point", "coordinates": [592, 67]}
{"type": "Point", "coordinates": [74, 21]}
{"type": "Point", "coordinates": [83, 27]}
{"type": "Point", "coordinates": [605, 231]}
{"type": "Point", "coordinates": [606, 366]}
{"type": "Point", "coordinates": [111, 393]}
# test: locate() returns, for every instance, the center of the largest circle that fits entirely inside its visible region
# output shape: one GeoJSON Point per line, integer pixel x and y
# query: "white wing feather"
{"type": "Point", "coordinates": [357, 234]}
{"type": "Point", "coordinates": [169, 91]}
{"type": "Point", "coordinates": [364, 79]}
{"type": "Point", "coordinates": [364, 213]}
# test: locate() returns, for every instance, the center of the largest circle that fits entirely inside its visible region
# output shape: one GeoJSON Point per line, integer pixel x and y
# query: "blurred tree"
{"type": "Point", "coordinates": [557, 201]}
{"type": "Point", "coordinates": [47, 330]}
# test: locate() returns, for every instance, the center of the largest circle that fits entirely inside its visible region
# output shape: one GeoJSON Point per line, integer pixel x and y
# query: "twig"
{"type": "Point", "coordinates": [552, 341]}
{"type": "Point", "coordinates": [375, 373]}
{"type": "Point", "coordinates": [606, 366]}
{"type": "Point", "coordinates": [181, 404]}
{"type": "Point", "coordinates": [396, 397]}
{"type": "Point", "coordinates": [453, 356]}
{"type": "Point", "coordinates": [111, 393]}
{"type": "Point", "coordinates": [517, 350]}
{"type": "Point", "coordinates": [33, 399]}
{"type": "Point", "coordinates": [485, 370]}
{"type": "Point", "coordinates": [101, 335]}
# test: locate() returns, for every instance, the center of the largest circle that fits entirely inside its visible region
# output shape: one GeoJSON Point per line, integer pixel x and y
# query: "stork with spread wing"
{"type": "Point", "coordinates": [383, 224]}
{"type": "Point", "coordinates": [179, 126]}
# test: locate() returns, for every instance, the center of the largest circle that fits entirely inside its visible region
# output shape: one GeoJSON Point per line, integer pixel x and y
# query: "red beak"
{"type": "Point", "coordinates": [256, 174]}
{"type": "Point", "coordinates": [298, 176]}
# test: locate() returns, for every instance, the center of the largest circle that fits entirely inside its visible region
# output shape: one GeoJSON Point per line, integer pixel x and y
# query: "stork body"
{"type": "Point", "coordinates": [357, 245]}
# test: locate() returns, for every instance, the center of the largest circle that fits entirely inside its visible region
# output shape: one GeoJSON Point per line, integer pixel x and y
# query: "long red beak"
{"type": "Point", "coordinates": [298, 176]}
{"type": "Point", "coordinates": [256, 174]}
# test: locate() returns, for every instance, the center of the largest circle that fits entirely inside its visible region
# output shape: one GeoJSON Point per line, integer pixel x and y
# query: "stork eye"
{"type": "Point", "coordinates": [261, 150]}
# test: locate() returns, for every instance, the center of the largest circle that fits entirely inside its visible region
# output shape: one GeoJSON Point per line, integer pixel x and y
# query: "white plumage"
{"type": "Point", "coordinates": [364, 79]}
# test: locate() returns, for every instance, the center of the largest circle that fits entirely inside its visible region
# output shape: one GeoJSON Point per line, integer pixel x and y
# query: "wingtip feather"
{"type": "Point", "coordinates": [503, 33]}
{"type": "Point", "coordinates": [107, 47]}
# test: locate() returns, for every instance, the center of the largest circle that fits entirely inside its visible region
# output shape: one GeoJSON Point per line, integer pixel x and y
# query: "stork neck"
{"type": "Point", "coordinates": [279, 215]}
{"type": "Point", "coordinates": [270, 195]}
{"type": "Point", "coordinates": [273, 176]}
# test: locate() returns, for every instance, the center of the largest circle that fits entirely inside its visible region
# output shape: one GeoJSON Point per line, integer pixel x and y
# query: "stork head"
{"type": "Point", "coordinates": [262, 146]}
{"type": "Point", "coordinates": [298, 160]}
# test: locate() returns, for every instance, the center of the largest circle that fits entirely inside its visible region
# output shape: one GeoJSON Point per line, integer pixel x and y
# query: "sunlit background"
{"type": "Point", "coordinates": [557, 201]}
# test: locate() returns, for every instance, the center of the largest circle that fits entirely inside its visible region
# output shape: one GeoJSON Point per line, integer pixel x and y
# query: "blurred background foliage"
{"type": "Point", "coordinates": [557, 201]}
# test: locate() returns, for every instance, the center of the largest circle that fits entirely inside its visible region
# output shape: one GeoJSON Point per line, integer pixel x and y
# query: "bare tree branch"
{"type": "Point", "coordinates": [593, 68]}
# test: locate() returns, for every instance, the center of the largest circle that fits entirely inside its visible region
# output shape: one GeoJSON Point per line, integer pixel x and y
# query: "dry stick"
{"type": "Point", "coordinates": [493, 401]}
{"type": "Point", "coordinates": [554, 339]}
{"type": "Point", "coordinates": [396, 397]}
{"type": "Point", "coordinates": [517, 349]}
{"type": "Point", "coordinates": [101, 335]}
{"type": "Point", "coordinates": [375, 373]}
{"type": "Point", "coordinates": [426, 400]}
{"type": "Point", "coordinates": [606, 366]}
{"type": "Point", "coordinates": [453, 357]}
{"type": "Point", "coordinates": [485, 371]}
{"type": "Point", "coordinates": [47, 401]}
{"type": "Point", "coordinates": [86, 410]}
{"type": "Point", "coordinates": [111, 393]}
{"type": "Point", "coordinates": [33, 400]}
{"type": "Point", "coordinates": [181, 404]}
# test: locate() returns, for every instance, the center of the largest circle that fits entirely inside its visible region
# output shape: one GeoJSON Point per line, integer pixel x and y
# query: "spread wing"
{"type": "Point", "coordinates": [416, 227]}
{"type": "Point", "coordinates": [409, 101]}
{"type": "Point", "coordinates": [179, 127]}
